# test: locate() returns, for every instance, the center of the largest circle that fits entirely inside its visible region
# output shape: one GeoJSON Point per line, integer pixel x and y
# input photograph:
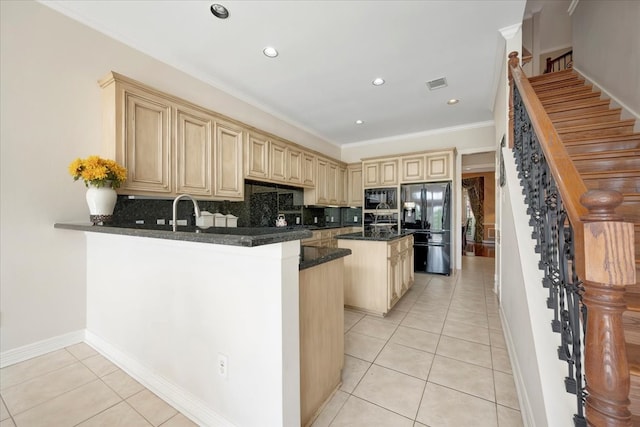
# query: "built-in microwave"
{"type": "Point", "coordinates": [374, 196]}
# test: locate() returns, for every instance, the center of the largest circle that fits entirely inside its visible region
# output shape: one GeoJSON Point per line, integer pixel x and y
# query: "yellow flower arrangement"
{"type": "Point", "coordinates": [98, 172]}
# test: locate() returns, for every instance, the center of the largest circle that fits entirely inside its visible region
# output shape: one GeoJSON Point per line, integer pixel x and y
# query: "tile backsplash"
{"type": "Point", "coordinates": [260, 208]}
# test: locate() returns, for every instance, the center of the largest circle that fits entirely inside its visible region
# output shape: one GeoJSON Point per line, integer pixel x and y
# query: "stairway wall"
{"type": "Point", "coordinates": [606, 48]}
{"type": "Point", "coordinates": [538, 372]}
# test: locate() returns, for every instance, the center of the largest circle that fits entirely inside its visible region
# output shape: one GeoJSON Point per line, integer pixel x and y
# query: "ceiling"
{"type": "Point", "coordinates": [329, 54]}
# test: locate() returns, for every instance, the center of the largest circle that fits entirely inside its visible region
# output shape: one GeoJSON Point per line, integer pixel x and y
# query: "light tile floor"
{"type": "Point", "coordinates": [438, 359]}
{"type": "Point", "coordinates": [76, 386]}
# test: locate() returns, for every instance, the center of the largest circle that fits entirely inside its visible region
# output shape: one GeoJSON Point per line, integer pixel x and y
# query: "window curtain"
{"type": "Point", "coordinates": [475, 190]}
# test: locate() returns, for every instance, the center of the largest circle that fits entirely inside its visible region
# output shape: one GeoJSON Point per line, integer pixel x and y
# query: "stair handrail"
{"type": "Point", "coordinates": [558, 60]}
{"type": "Point", "coordinates": [602, 258]}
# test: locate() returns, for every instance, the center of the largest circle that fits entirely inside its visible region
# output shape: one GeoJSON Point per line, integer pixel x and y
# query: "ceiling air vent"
{"type": "Point", "coordinates": [437, 83]}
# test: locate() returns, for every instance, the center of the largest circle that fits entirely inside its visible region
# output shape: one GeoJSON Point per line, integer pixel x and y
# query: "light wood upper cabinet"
{"type": "Point", "coordinates": [145, 149]}
{"type": "Point", "coordinates": [413, 169]}
{"type": "Point", "coordinates": [194, 152]}
{"type": "Point", "coordinates": [294, 167]}
{"type": "Point", "coordinates": [278, 161]}
{"type": "Point", "coordinates": [370, 172]}
{"type": "Point", "coordinates": [308, 169]}
{"type": "Point", "coordinates": [322, 179]}
{"type": "Point", "coordinates": [380, 173]}
{"type": "Point", "coordinates": [439, 166]}
{"type": "Point", "coordinates": [341, 186]}
{"type": "Point", "coordinates": [354, 185]}
{"type": "Point", "coordinates": [229, 182]}
{"type": "Point", "coordinates": [168, 145]}
{"type": "Point", "coordinates": [256, 155]}
{"type": "Point", "coordinates": [332, 183]}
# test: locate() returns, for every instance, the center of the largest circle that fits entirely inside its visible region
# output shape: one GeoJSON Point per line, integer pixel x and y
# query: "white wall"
{"type": "Point", "coordinates": [171, 307]}
{"type": "Point", "coordinates": [606, 48]}
{"type": "Point", "coordinates": [51, 113]}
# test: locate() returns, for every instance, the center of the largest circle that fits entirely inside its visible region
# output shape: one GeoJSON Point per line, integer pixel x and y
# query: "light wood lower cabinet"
{"type": "Point", "coordinates": [327, 237]}
{"type": "Point", "coordinates": [321, 335]}
{"type": "Point", "coordinates": [378, 273]}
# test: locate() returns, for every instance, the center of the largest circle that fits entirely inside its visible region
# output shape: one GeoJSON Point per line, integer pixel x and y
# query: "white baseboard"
{"type": "Point", "coordinates": [182, 400]}
{"type": "Point", "coordinates": [29, 351]}
{"type": "Point", "coordinates": [523, 399]}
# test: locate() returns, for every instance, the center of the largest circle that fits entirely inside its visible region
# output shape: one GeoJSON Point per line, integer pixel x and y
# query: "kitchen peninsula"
{"type": "Point", "coordinates": [208, 320]}
{"type": "Point", "coordinates": [379, 271]}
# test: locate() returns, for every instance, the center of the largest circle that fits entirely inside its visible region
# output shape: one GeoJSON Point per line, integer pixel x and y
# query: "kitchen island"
{"type": "Point", "coordinates": [209, 321]}
{"type": "Point", "coordinates": [379, 271]}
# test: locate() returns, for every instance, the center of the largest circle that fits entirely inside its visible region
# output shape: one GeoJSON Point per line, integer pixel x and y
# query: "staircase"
{"type": "Point", "coordinates": [606, 152]}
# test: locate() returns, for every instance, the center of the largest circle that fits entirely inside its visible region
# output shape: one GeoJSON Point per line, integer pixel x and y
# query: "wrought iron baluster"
{"type": "Point", "coordinates": [554, 242]}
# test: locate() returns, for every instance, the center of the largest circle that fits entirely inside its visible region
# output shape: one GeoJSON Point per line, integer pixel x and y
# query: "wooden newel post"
{"type": "Point", "coordinates": [609, 266]}
{"type": "Point", "coordinates": [513, 62]}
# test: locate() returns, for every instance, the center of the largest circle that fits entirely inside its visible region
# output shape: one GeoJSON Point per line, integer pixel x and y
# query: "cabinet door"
{"type": "Point", "coordinates": [438, 166]}
{"type": "Point", "coordinates": [341, 186]}
{"type": "Point", "coordinates": [332, 183]}
{"type": "Point", "coordinates": [322, 181]}
{"type": "Point", "coordinates": [308, 170]}
{"type": "Point", "coordinates": [413, 169]}
{"type": "Point", "coordinates": [294, 165]}
{"type": "Point", "coordinates": [229, 183]}
{"type": "Point", "coordinates": [278, 161]}
{"type": "Point", "coordinates": [257, 156]}
{"type": "Point", "coordinates": [194, 152]}
{"type": "Point", "coordinates": [147, 144]}
{"type": "Point", "coordinates": [388, 172]}
{"type": "Point", "coordinates": [371, 172]}
{"type": "Point", "coordinates": [354, 186]}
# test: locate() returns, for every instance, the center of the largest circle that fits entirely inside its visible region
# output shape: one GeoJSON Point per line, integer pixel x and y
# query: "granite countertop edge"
{"type": "Point", "coordinates": [370, 237]}
{"type": "Point", "coordinates": [322, 256]}
{"type": "Point", "coordinates": [265, 237]}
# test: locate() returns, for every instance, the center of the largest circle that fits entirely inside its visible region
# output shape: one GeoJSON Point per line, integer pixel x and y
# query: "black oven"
{"type": "Point", "coordinates": [374, 196]}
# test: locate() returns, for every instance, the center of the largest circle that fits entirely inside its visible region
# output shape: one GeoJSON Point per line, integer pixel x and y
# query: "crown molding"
{"type": "Point", "coordinates": [510, 31]}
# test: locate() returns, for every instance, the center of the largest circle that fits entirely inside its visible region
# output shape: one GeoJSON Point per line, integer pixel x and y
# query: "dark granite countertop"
{"type": "Point", "coordinates": [377, 237]}
{"type": "Point", "coordinates": [240, 236]}
{"type": "Point", "coordinates": [310, 256]}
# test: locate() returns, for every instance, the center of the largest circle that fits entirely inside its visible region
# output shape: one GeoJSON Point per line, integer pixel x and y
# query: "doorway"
{"type": "Point", "coordinates": [478, 204]}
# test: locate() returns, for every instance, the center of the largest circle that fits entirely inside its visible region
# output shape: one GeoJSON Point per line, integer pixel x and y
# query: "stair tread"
{"type": "Point", "coordinates": [581, 96]}
{"type": "Point", "coordinates": [602, 139]}
{"type": "Point", "coordinates": [557, 85]}
{"type": "Point", "coordinates": [620, 173]}
{"type": "Point", "coordinates": [584, 116]}
{"type": "Point", "coordinates": [552, 76]}
{"type": "Point", "coordinates": [633, 356]}
{"type": "Point", "coordinates": [607, 154]}
{"type": "Point", "coordinates": [595, 126]}
{"type": "Point", "coordinates": [542, 94]}
{"type": "Point", "coordinates": [587, 103]}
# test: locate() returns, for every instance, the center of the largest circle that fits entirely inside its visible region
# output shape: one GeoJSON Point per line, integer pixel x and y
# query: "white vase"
{"type": "Point", "coordinates": [101, 202]}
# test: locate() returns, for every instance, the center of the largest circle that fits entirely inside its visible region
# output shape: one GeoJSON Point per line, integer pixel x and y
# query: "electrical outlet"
{"type": "Point", "coordinates": [331, 219]}
{"type": "Point", "coordinates": [160, 221]}
{"type": "Point", "coordinates": [315, 219]}
{"type": "Point", "coordinates": [222, 365]}
{"type": "Point", "coordinates": [355, 219]}
{"type": "Point", "coordinates": [139, 221]}
{"type": "Point", "coordinates": [297, 220]}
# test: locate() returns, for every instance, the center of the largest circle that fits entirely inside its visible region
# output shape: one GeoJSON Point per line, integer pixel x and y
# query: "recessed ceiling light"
{"type": "Point", "coordinates": [453, 101]}
{"type": "Point", "coordinates": [219, 11]}
{"type": "Point", "coordinates": [359, 122]}
{"type": "Point", "coordinates": [269, 51]}
{"type": "Point", "coordinates": [378, 81]}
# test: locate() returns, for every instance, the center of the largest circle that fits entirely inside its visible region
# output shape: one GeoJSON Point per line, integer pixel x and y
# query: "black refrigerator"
{"type": "Point", "coordinates": [426, 208]}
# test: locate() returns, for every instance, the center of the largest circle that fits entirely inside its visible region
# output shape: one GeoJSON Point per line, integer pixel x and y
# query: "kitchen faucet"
{"type": "Point", "coordinates": [175, 208]}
